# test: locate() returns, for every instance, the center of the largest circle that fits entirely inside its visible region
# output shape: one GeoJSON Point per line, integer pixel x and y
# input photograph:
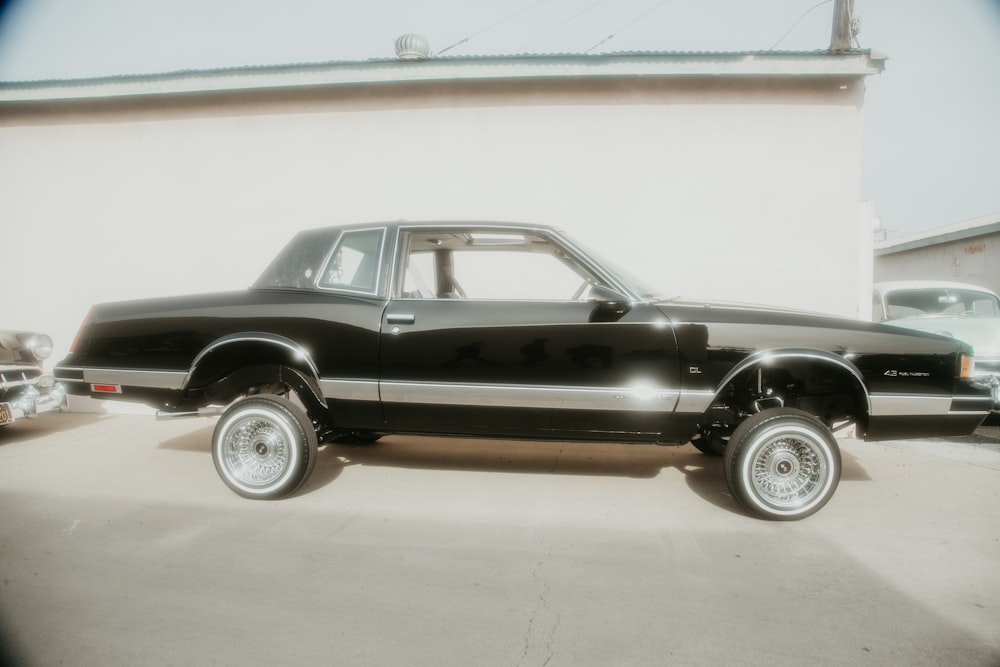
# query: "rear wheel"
{"type": "Point", "coordinates": [264, 447]}
{"type": "Point", "coordinates": [782, 464]}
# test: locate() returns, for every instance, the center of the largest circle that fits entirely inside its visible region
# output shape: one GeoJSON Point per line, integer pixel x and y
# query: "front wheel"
{"type": "Point", "coordinates": [264, 447]}
{"type": "Point", "coordinates": [782, 464]}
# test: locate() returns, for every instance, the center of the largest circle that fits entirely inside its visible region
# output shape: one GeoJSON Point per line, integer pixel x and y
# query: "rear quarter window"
{"type": "Point", "coordinates": [298, 264]}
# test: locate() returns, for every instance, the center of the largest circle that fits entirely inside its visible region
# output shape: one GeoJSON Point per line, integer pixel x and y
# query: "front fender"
{"type": "Point", "coordinates": [767, 358]}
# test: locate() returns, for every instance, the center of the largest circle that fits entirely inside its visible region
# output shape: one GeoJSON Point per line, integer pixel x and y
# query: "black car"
{"type": "Point", "coordinates": [26, 390]}
{"type": "Point", "coordinates": [515, 331]}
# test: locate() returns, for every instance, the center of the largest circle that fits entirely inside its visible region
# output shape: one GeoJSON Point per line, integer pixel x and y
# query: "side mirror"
{"type": "Point", "coordinates": [611, 305]}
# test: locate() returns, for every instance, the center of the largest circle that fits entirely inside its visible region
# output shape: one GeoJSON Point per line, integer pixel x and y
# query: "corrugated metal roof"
{"type": "Point", "coordinates": [855, 63]}
{"type": "Point", "coordinates": [987, 224]}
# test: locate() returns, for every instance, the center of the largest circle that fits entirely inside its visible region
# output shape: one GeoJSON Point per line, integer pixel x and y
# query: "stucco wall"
{"type": "Point", "coordinates": [742, 189]}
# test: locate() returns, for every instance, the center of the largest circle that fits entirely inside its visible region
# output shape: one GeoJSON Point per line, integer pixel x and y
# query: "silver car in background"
{"type": "Point", "coordinates": [959, 310]}
{"type": "Point", "coordinates": [26, 390]}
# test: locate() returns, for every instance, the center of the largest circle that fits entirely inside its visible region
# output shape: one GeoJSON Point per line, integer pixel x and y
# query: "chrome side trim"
{"type": "Point", "coordinates": [350, 390]}
{"type": "Point", "coordinates": [695, 402]}
{"type": "Point", "coordinates": [131, 378]}
{"type": "Point", "coordinates": [627, 399]}
{"type": "Point", "coordinates": [898, 405]}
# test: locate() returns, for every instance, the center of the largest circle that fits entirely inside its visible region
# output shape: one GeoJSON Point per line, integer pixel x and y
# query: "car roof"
{"type": "Point", "coordinates": [446, 224]}
{"type": "Point", "coordinates": [897, 285]}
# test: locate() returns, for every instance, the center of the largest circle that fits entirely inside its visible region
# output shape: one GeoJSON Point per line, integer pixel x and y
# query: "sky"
{"type": "Point", "coordinates": [932, 142]}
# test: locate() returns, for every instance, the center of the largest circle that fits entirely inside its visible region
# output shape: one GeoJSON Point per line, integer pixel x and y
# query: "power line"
{"type": "Point", "coordinates": [629, 25]}
{"type": "Point", "coordinates": [802, 16]}
{"type": "Point", "coordinates": [564, 23]}
{"type": "Point", "coordinates": [488, 28]}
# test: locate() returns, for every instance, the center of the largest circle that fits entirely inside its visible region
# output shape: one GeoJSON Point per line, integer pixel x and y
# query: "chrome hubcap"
{"type": "Point", "coordinates": [789, 471]}
{"type": "Point", "coordinates": [256, 450]}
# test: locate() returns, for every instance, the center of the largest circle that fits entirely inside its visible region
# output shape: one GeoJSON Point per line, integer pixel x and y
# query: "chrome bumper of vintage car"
{"type": "Point", "coordinates": [994, 382]}
{"type": "Point", "coordinates": [987, 373]}
{"type": "Point", "coordinates": [31, 402]}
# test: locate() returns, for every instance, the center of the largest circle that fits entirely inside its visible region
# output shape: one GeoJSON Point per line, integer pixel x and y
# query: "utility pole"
{"type": "Point", "coordinates": [843, 20]}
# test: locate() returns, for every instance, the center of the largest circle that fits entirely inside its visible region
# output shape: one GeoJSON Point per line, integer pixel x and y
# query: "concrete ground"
{"type": "Point", "coordinates": [119, 545]}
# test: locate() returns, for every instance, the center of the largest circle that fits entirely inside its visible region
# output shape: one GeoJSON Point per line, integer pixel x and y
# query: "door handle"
{"type": "Point", "coordinates": [400, 318]}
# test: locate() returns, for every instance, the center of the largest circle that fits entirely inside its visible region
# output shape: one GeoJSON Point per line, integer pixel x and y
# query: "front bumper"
{"type": "Point", "coordinates": [31, 402]}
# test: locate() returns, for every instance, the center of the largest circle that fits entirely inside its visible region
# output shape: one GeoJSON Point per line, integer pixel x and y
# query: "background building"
{"type": "Point", "coordinates": [967, 252]}
{"type": "Point", "coordinates": [733, 175]}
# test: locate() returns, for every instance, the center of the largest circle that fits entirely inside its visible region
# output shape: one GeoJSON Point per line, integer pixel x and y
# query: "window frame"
{"type": "Point", "coordinates": [377, 284]}
{"type": "Point", "coordinates": [397, 290]}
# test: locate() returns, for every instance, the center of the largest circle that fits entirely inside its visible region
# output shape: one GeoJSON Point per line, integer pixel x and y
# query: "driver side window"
{"type": "Point", "coordinates": [509, 267]}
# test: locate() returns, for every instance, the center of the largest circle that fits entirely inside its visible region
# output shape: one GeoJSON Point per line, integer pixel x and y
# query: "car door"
{"type": "Point", "coordinates": [510, 334]}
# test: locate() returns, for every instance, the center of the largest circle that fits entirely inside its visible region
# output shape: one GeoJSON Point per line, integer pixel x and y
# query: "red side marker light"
{"type": "Point", "coordinates": [106, 388]}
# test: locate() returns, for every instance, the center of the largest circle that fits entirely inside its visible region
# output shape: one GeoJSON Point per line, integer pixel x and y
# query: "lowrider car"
{"type": "Point", "coordinates": [26, 390]}
{"type": "Point", "coordinates": [514, 331]}
{"type": "Point", "coordinates": [959, 310]}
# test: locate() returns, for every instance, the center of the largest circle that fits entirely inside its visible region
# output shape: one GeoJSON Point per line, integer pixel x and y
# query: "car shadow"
{"type": "Point", "coordinates": [703, 474]}
{"type": "Point", "coordinates": [851, 469]}
{"type": "Point", "coordinates": [984, 435]}
{"type": "Point", "coordinates": [195, 441]}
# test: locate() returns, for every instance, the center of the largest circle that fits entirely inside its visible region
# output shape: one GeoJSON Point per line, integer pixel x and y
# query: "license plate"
{"type": "Point", "coordinates": [6, 417]}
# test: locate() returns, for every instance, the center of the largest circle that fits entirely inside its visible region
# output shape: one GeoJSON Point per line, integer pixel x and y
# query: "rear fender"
{"type": "Point", "coordinates": [238, 362]}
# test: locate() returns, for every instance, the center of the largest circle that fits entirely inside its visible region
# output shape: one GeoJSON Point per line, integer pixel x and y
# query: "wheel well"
{"type": "Point", "coordinates": [827, 390]}
{"type": "Point", "coordinates": [243, 367]}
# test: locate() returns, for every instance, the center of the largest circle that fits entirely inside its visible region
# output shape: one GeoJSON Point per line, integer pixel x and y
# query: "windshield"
{"type": "Point", "coordinates": [629, 281]}
{"type": "Point", "coordinates": [941, 302]}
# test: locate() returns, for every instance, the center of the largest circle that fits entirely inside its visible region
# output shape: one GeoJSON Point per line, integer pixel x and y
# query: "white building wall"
{"type": "Point", "coordinates": [747, 190]}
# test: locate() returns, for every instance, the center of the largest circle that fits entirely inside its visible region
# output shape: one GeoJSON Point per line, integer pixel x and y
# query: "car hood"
{"type": "Point", "coordinates": [982, 333]}
{"type": "Point", "coordinates": [721, 304]}
{"type": "Point", "coordinates": [753, 311]}
{"type": "Point", "coordinates": [761, 327]}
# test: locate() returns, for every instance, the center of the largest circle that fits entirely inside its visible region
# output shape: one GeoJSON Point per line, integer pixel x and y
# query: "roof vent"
{"type": "Point", "coordinates": [412, 47]}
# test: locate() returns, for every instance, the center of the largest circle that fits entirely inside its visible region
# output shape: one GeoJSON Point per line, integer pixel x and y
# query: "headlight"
{"type": "Point", "coordinates": [40, 346]}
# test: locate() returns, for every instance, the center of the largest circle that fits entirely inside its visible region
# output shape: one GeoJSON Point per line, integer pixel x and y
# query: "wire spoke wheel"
{"type": "Point", "coordinates": [264, 447]}
{"type": "Point", "coordinates": [788, 471]}
{"type": "Point", "coordinates": [256, 450]}
{"type": "Point", "coordinates": [782, 464]}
